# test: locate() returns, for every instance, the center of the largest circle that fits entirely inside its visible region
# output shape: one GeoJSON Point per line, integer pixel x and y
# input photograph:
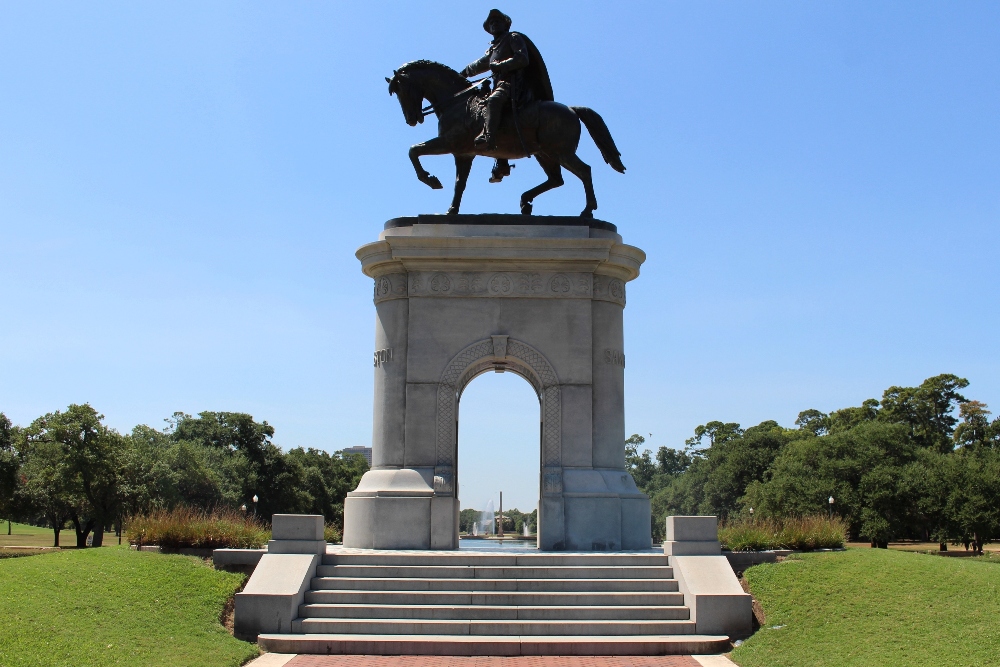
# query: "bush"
{"type": "Point", "coordinates": [801, 534]}
{"type": "Point", "coordinates": [186, 527]}
{"type": "Point", "coordinates": [331, 533]}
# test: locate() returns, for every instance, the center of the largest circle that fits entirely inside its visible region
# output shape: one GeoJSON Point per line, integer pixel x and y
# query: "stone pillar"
{"type": "Point", "coordinates": [540, 297]}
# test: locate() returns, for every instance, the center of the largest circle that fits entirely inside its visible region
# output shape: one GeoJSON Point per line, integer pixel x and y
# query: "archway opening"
{"type": "Point", "coordinates": [499, 430]}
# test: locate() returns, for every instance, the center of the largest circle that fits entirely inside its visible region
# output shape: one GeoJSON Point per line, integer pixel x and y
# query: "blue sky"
{"type": "Point", "coordinates": [183, 187]}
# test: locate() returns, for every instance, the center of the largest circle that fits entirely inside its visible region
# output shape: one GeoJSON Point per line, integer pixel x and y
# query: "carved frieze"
{"type": "Point", "coordinates": [531, 284]}
{"type": "Point", "coordinates": [535, 284]}
{"type": "Point", "coordinates": [390, 286]}
{"type": "Point", "coordinates": [607, 288]}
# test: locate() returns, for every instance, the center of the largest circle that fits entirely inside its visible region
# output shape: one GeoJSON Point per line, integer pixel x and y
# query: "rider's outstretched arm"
{"type": "Point", "coordinates": [477, 67]}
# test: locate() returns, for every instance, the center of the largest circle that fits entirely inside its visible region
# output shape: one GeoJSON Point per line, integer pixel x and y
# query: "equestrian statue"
{"type": "Point", "coordinates": [516, 118]}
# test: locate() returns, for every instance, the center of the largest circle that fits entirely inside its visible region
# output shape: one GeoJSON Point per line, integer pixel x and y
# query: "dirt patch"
{"type": "Point", "coordinates": [227, 617]}
{"type": "Point", "coordinates": [19, 552]}
{"type": "Point", "coordinates": [758, 611]}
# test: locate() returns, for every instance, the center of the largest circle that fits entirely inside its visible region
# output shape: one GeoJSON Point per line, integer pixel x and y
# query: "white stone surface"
{"type": "Point", "coordinates": [542, 301]}
{"type": "Point", "coordinates": [713, 661]}
{"type": "Point", "coordinates": [711, 591]}
{"type": "Point", "coordinates": [270, 601]}
{"type": "Point", "coordinates": [692, 528]}
{"type": "Point", "coordinates": [272, 660]}
{"type": "Point", "coordinates": [297, 527]}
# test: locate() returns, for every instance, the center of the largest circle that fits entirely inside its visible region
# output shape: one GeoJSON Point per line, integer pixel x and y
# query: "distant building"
{"type": "Point", "coordinates": [360, 449]}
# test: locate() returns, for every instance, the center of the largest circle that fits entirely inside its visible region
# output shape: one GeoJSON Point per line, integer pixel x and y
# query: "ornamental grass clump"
{"type": "Point", "coordinates": [332, 533]}
{"type": "Point", "coordinates": [797, 533]}
{"type": "Point", "coordinates": [188, 528]}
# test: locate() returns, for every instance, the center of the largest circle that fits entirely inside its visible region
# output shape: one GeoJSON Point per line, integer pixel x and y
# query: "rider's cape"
{"type": "Point", "coordinates": [536, 75]}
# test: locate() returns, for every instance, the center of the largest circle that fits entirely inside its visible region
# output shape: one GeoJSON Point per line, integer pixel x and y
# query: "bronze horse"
{"type": "Point", "coordinates": [548, 130]}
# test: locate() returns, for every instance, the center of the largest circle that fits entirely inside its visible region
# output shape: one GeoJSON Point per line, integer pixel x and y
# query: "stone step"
{"type": "Point", "coordinates": [336, 556]}
{"type": "Point", "coordinates": [496, 598]}
{"type": "Point", "coordinates": [470, 645]}
{"type": "Point", "coordinates": [495, 612]}
{"type": "Point", "coordinates": [495, 572]}
{"type": "Point", "coordinates": [483, 585]}
{"type": "Point", "coordinates": [411, 626]}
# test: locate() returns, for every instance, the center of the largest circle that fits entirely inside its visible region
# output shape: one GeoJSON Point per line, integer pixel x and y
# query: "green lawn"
{"type": "Point", "coordinates": [113, 606]}
{"type": "Point", "coordinates": [23, 535]}
{"type": "Point", "coordinates": [872, 607]}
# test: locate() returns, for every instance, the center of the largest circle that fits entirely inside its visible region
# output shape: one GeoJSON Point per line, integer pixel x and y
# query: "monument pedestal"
{"type": "Point", "coordinates": [458, 296]}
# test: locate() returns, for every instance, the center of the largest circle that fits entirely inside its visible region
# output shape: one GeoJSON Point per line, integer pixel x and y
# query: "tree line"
{"type": "Point", "coordinates": [69, 467]}
{"type": "Point", "coordinates": [921, 463]}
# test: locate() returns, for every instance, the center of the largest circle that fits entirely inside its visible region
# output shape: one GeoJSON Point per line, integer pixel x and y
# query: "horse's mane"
{"type": "Point", "coordinates": [430, 64]}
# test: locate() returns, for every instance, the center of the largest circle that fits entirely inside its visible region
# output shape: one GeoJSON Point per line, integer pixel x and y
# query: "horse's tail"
{"type": "Point", "coordinates": [601, 136]}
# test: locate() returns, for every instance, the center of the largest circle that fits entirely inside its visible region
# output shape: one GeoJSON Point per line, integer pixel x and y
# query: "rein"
{"type": "Point", "coordinates": [430, 108]}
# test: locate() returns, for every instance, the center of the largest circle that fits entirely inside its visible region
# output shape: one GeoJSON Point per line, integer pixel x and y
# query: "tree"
{"type": "Point", "coordinates": [45, 487]}
{"type": "Point", "coordinates": [975, 498]}
{"type": "Point", "coordinates": [845, 419]}
{"type": "Point", "coordinates": [10, 465]}
{"type": "Point", "coordinates": [926, 409]}
{"type": "Point", "coordinates": [467, 518]}
{"type": "Point", "coordinates": [672, 461]}
{"type": "Point", "coordinates": [93, 455]}
{"type": "Point", "coordinates": [975, 429]}
{"type": "Point", "coordinates": [640, 466]}
{"type": "Point", "coordinates": [814, 421]}
{"type": "Point", "coordinates": [715, 431]}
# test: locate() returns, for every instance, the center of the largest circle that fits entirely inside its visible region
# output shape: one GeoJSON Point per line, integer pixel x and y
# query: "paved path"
{"type": "Point", "coordinates": [284, 660]}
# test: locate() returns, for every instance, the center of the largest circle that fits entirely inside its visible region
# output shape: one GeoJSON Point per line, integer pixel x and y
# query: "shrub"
{"type": "Point", "coordinates": [798, 533]}
{"type": "Point", "coordinates": [186, 527]}
{"type": "Point", "coordinates": [331, 533]}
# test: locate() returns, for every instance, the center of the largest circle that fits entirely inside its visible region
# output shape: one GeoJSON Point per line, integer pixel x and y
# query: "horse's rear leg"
{"type": "Point", "coordinates": [581, 170]}
{"type": "Point", "coordinates": [555, 179]}
{"type": "Point", "coordinates": [463, 164]}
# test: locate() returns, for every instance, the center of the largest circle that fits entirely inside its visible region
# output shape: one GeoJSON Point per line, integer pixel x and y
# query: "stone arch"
{"type": "Point", "coordinates": [492, 353]}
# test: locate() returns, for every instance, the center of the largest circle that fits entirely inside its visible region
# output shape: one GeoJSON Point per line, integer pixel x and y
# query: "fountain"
{"type": "Point", "coordinates": [487, 518]}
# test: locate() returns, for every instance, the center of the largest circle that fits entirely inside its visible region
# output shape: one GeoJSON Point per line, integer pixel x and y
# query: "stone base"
{"type": "Point", "coordinates": [400, 522]}
{"type": "Point", "coordinates": [599, 510]}
{"type": "Point", "coordinates": [458, 296]}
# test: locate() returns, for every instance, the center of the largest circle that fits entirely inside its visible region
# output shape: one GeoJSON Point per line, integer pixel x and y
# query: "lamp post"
{"type": "Point", "coordinates": [751, 515]}
{"type": "Point", "coordinates": [830, 501]}
{"type": "Point", "coordinates": [255, 505]}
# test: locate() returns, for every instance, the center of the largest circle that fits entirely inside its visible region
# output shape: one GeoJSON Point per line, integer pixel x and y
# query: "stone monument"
{"type": "Point", "coordinates": [457, 296]}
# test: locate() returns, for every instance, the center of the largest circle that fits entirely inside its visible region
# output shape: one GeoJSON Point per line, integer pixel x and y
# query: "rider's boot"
{"type": "Point", "coordinates": [501, 168]}
{"type": "Point", "coordinates": [494, 107]}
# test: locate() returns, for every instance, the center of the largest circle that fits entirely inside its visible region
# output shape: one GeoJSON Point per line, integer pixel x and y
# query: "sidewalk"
{"type": "Point", "coordinates": [285, 660]}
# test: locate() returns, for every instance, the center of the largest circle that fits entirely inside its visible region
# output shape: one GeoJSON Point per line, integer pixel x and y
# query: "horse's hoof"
{"type": "Point", "coordinates": [587, 214]}
{"type": "Point", "coordinates": [526, 208]}
{"type": "Point", "coordinates": [434, 183]}
{"type": "Point", "coordinates": [452, 211]}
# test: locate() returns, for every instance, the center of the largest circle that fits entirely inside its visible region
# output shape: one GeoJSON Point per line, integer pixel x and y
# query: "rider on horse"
{"type": "Point", "coordinates": [519, 77]}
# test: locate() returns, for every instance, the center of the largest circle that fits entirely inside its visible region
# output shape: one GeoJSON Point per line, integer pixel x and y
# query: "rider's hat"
{"type": "Point", "coordinates": [496, 14]}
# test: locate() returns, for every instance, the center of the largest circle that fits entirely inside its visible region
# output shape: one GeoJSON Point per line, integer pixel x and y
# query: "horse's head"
{"type": "Point", "coordinates": [411, 100]}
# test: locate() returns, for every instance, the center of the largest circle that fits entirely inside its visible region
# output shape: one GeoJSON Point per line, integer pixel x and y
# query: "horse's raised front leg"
{"type": "Point", "coordinates": [463, 164]}
{"type": "Point", "coordinates": [555, 179]}
{"type": "Point", "coordinates": [435, 146]}
{"type": "Point", "coordinates": [581, 170]}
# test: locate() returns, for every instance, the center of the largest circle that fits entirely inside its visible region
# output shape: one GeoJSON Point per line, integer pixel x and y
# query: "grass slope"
{"type": "Point", "coordinates": [871, 607]}
{"type": "Point", "coordinates": [114, 606]}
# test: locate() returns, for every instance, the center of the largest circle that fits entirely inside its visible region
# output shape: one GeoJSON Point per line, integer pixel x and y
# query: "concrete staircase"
{"type": "Point", "coordinates": [489, 603]}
